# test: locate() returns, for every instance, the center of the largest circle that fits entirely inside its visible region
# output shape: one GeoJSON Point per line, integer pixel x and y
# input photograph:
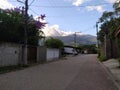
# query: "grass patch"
{"type": "Point", "coordinates": [102, 58]}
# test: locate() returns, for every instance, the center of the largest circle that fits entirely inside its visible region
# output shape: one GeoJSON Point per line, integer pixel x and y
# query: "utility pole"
{"type": "Point", "coordinates": [97, 33]}
{"type": "Point", "coordinates": [25, 32]}
{"type": "Point", "coordinates": [97, 37]}
{"type": "Point", "coordinates": [75, 39]}
{"type": "Point", "coordinates": [25, 53]}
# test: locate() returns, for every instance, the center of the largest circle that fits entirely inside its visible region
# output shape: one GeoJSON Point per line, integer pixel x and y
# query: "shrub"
{"type": "Point", "coordinates": [54, 43]}
{"type": "Point", "coordinates": [102, 58]}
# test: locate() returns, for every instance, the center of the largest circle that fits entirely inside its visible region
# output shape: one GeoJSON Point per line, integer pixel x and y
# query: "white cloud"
{"type": "Point", "coordinates": [54, 30]}
{"type": "Point", "coordinates": [89, 8]}
{"type": "Point", "coordinates": [79, 2]}
{"type": "Point", "coordinates": [39, 19]}
{"type": "Point", "coordinates": [97, 8]}
{"type": "Point", "coordinates": [5, 4]}
{"type": "Point", "coordinates": [111, 1]}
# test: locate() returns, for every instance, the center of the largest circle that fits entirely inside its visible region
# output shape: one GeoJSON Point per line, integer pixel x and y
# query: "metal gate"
{"type": "Point", "coordinates": [32, 54]}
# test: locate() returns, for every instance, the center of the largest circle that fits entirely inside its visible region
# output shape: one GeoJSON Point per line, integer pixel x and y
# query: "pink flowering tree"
{"type": "Point", "coordinates": [12, 26]}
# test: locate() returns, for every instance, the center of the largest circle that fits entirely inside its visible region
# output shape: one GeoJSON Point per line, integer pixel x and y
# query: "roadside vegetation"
{"type": "Point", "coordinates": [102, 58]}
{"type": "Point", "coordinates": [91, 48]}
{"type": "Point", "coordinates": [12, 29]}
{"type": "Point", "coordinates": [109, 39]}
{"type": "Point", "coordinates": [12, 26]}
{"type": "Point", "coordinates": [54, 43]}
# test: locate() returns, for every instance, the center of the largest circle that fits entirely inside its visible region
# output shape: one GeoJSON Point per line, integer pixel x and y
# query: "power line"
{"type": "Point", "coordinates": [50, 2]}
{"type": "Point", "coordinates": [55, 6]}
{"type": "Point", "coordinates": [13, 1]}
{"type": "Point", "coordinates": [31, 2]}
{"type": "Point", "coordinates": [33, 11]}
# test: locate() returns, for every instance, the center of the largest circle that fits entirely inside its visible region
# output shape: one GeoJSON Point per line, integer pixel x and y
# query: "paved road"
{"type": "Point", "coordinates": [82, 72]}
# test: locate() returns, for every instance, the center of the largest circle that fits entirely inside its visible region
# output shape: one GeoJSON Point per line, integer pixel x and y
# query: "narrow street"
{"type": "Point", "coordinates": [82, 72]}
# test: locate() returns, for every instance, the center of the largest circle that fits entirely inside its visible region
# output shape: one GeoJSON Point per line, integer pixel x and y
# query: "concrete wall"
{"type": "Point", "coordinates": [52, 54]}
{"type": "Point", "coordinates": [41, 54]}
{"type": "Point", "coordinates": [47, 54]}
{"type": "Point", "coordinates": [10, 54]}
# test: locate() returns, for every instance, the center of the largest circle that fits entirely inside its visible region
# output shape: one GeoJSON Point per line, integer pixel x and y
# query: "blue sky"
{"type": "Point", "coordinates": [67, 15]}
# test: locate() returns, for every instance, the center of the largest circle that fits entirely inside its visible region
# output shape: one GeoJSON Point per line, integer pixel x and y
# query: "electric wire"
{"type": "Point", "coordinates": [33, 11]}
{"type": "Point", "coordinates": [56, 6]}
{"type": "Point", "coordinates": [31, 2]}
{"type": "Point", "coordinates": [50, 2]}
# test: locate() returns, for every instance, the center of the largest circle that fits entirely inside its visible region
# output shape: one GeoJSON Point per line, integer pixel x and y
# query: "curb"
{"type": "Point", "coordinates": [112, 77]}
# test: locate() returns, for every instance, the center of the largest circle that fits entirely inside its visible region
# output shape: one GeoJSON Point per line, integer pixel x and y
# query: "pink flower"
{"type": "Point", "coordinates": [6, 10]}
{"type": "Point", "coordinates": [43, 16]}
{"type": "Point", "coordinates": [18, 10]}
{"type": "Point", "coordinates": [39, 24]}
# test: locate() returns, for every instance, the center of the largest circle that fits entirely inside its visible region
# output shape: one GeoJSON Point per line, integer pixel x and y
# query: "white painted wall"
{"type": "Point", "coordinates": [52, 54]}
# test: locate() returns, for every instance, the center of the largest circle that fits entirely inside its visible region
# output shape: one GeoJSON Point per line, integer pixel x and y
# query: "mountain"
{"type": "Point", "coordinates": [80, 39]}
{"type": "Point", "coordinates": [68, 37]}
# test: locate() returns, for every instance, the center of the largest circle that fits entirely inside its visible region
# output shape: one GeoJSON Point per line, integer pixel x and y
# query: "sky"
{"type": "Point", "coordinates": [66, 16]}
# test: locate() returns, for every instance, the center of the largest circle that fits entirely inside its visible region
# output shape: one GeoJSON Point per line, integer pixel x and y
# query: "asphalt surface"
{"type": "Point", "coordinates": [82, 72]}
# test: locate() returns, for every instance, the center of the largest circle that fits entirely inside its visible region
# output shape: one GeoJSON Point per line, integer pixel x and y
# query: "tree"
{"type": "Point", "coordinates": [110, 21]}
{"type": "Point", "coordinates": [54, 43]}
{"type": "Point", "coordinates": [12, 27]}
{"type": "Point", "coordinates": [92, 49]}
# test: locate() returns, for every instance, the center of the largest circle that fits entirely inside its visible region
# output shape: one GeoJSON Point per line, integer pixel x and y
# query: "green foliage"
{"type": "Point", "coordinates": [91, 48]}
{"type": "Point", "coordinates": [110, 21]}
{"type": "Point", "coordinates": [109, 24]}
{"type": "Point", "coordinates": [54, 43]}
{"type": "Point", "coordinates": [12, 27]}
{"type": "Point", "coordinates": [101, 35]}
{"type": "Point", "coordinates": [102, 58]}
{"type": "Point", "coordinates": [106, 16]}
